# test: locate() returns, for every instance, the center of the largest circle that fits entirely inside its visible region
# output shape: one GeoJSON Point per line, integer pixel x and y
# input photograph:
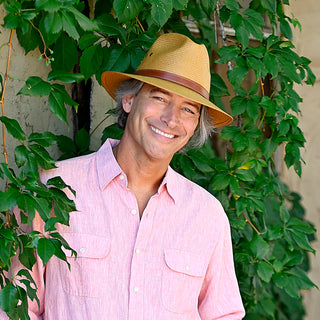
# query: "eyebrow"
{"type": "Point", "coordinates": [156, 89]}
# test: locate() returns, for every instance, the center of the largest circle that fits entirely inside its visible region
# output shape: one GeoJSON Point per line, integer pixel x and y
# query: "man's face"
{"type": "Point", "coordinates": [159, 122]}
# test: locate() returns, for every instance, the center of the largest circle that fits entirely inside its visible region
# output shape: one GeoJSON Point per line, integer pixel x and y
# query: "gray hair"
{"type": "Point", "coordinates": [204, 129]}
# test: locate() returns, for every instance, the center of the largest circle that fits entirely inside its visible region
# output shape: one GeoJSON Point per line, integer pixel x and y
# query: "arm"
{"type": "Point", "coordinates": [220, 297]}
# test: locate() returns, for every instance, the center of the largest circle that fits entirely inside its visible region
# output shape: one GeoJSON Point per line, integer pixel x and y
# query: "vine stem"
{"type": "Point", "coordinates": [99, 124]}
{"type": "Point", "coordinates": [140, 25]}
{"type": "Point", "coordinates": [251, 224]}
{"type": "Point", "coordinates": [3, 114]}
{"type": "Point", "coordinates": [264, 111]}
{"type": "Point", "coordinates": [43, 42]}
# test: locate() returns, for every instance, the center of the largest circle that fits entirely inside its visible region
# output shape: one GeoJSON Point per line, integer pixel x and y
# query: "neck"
{"type": "Point", "coordinates": [142, 172]}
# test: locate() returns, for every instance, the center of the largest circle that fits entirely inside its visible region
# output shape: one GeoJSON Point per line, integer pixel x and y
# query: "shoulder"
{"type": "Point", "coordinates": [68, 168]}
{"type": "Point", "coordinates": [189, 193]}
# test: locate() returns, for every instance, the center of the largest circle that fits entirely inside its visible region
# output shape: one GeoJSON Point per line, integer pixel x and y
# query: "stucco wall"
{"type": "Point", "coordinates": [307, 43]}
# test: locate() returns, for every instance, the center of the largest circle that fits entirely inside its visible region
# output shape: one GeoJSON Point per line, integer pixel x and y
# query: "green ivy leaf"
{"type": "Point", "coordinates": [57, 107]}
{"type": "Point", "coordinates": [301, 240]}
{"type": "Point", "coordinates": [265, 271]}
{"type": "Point", "coordinates": [228, 53]}
{"type": "Point", "coordinates": [252, 110]}
{"type": "Point", "coordinates": [300, 225]}
{"type": "Point", "coordinates": [45, 249]}
{"type": "Point", "coordinates": [259, 247]}
{"type": "Point", "coordinates": [285, 29]}
{"type": "Point", "coordinates": [218, 87]}
{"type": "Point", "coordinates": [21, 155]}
{"type": "Point", "coordinates": [42, 156]}
{"type": "Point", "coordinates": [228, 133]}
{"type": "Point", "coordinates": [65, 54]}
{"type": "Point", "coordinates": [44, 139]}
{"type": "Point", "coordinates": [13, 128]}
{"type": "Point", "coordinates": [289, 69]}
{"type": "Point", "coordinates": [268, 147]}
{"type": "Point", "coordinates": [11, 21]}
{"type": "Point", "coordinates": [270, 5]}
{"type": "Point", "coordinates": [220, 181]}
{"type": "Point", "coordinates": [30, 39]}
{"type": "Point", "coordinates": [65, 77]}
{"type": "Point", "coordinates": [119, 59]}
{"type": "Point", "coordinates": [68, 25]}
{"type": "Point", "coordinates": [238, 105]}
{"type": "Point", "coordinates": [244, 175]}
{"type": "Point", "coordinates": [52, 22]}
{"type": "Point", "coordinates": [232, 5]}
{"type": "Point", "coordinates": [237, 76]}
{"type": "Point", "coordinates": [35, 86]}
{"type": "Point", "coordinates": [235, 19]}
{"type": "Point", "coordinates": [27, 258]}
{"type": "Point", "coordinates": [26, 203]}
{"type": "Point", "coordinates": [271, 64]}
{"type": "Point", "coordinates": [48, 5]}
{"type": "Point", "coordinates": [161, 11]}
{"type": "Point", "coordinates": [109, 25]}
{"type": "Point", "coordinates": [292, 154]}
{"type": "Point", "coordinates": [182, 4]}
{"type": "Point", "coordinates": [66, 144]}
{"type": "Point", "coordinates": [112, 131]}
{"type": "Point", "coordinates": [9, 297]}
{"type": "Point", "coordinates": [84, 22]}
{"type": "Point", "coordinates": [243, 34]}
{"type": "Point", "coordinates": [8, 199]}
{"type": "Point", "coordinates": [127, 9]}
{"type": "Point", "coordinates": [91, 60]}
{"type": "Point", "coordinates": [82, 140]}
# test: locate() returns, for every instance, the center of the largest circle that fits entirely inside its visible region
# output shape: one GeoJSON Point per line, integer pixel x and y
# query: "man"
{"type": "Point", "coordinates": [151, 244]}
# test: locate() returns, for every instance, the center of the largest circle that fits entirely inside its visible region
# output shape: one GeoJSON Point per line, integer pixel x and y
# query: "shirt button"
{"type": "Point", "coordinates": [187, 267]}
{"type": "Point", "coordinates": [121, 177]}
{"type": "Point", "coordinates": [136, 289]}
{"type": "Point", "coordinates": [137, 251]}
{"type": "Point", "coordinates": [83, 250]}
{"type": "Point", "coordinates": [133, 211]}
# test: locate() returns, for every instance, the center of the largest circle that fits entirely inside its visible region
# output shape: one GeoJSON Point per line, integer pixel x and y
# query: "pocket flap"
{"type": "Point", "coordinates": [87, 245]}
{"type": "Point", "coordinates": [185, 262]}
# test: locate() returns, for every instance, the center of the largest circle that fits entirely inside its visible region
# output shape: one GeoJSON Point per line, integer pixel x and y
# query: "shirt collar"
{"type": "Point", "coordinates": [107, 166]}
{"type": "Point", "coordinates": [171, 183]}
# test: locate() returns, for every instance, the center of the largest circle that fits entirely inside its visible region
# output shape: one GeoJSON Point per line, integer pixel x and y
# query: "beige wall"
{"type": "Point", "coordinates": [307, 43]}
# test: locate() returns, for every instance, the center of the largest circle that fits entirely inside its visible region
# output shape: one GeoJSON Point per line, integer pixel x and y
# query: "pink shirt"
{"type": "Point", "coordinates": [174, 263]}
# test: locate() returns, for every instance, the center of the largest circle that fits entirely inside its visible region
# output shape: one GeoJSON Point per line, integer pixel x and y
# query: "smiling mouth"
{"type": "Point", "coordinates": [170, 136]}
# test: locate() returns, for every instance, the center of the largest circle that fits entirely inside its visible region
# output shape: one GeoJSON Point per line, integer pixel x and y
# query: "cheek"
{"type": "Point", "coordinates": [191, 126]}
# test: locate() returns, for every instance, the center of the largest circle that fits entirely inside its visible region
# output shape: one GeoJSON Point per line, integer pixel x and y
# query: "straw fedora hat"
{"type": "Point", "coordinates": [177, 64]}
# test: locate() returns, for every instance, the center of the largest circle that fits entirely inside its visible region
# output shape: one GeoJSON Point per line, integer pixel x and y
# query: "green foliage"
{"type": "Point", "coordinates": [270, 236]}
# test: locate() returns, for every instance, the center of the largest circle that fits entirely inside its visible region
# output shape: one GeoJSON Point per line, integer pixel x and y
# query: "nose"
{"type": "Point", "coordinates": [170, 116]}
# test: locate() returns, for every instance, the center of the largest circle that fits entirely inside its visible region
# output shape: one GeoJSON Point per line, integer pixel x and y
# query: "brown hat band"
{"type": "Point", "coordinates": [176, 79]}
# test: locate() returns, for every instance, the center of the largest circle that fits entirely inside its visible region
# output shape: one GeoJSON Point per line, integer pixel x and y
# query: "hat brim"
{"type": "Point", "coordinates": [111, 80]}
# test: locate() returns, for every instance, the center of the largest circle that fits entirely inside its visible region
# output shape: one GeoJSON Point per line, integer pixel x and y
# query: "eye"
{"type": "Point", "coordinates": [161, 99]}
{"type": "Point", "coordinates": [188, 110]}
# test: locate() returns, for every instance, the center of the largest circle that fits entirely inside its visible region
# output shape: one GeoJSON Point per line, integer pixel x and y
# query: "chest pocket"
{"type": "Point", "coordinates": [89, 273]}
{"type": "Point", "coordinates": [182, 279]}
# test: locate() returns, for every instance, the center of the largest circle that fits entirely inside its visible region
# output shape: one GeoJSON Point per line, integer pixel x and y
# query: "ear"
{"type": "Point", "coordinates": [127, 102]}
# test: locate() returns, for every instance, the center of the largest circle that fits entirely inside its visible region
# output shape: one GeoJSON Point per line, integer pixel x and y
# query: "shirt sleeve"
{"type": "Point", "coordinates": [37, 273]}
{"type": "Point", "coordinates": [220, 297]}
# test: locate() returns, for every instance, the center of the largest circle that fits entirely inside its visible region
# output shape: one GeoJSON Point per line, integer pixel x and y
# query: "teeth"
{"type": "Point", "coordinates": [170, 136]}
